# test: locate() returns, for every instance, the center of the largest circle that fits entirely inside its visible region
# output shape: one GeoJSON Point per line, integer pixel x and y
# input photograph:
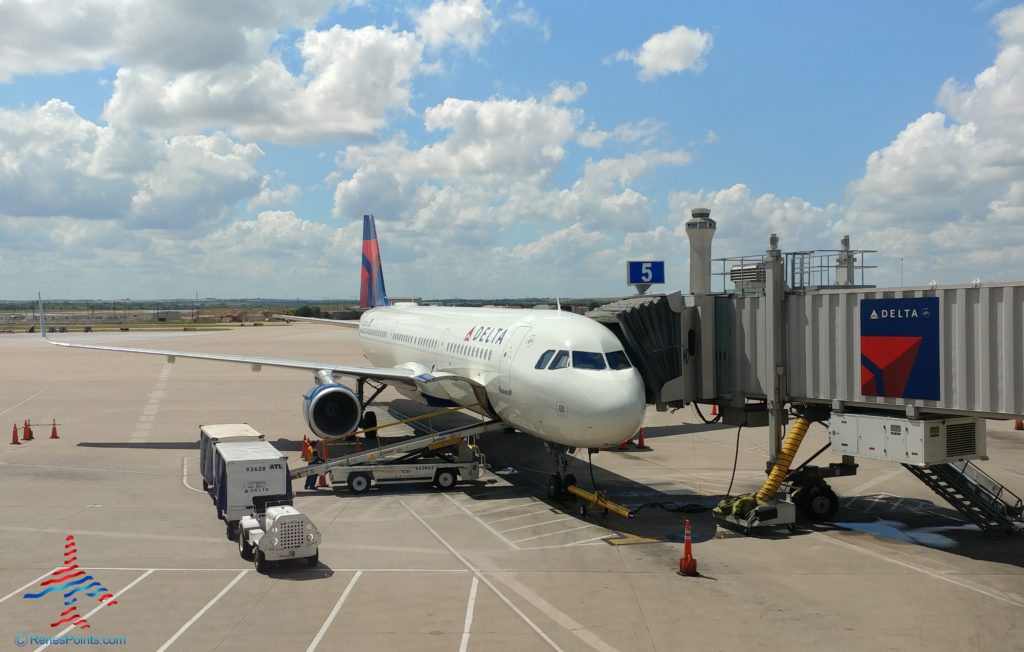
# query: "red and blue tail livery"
{"type": "Point", "coordinates": [371, 288]}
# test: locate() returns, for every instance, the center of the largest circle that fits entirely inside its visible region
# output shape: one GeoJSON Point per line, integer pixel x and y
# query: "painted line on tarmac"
{"type": "Point", "coordinates": [82, 468]}
{"type": "Point", "coordinates": [468, 624]}
{"type": "Point", "coordinates": [184, 476]}
{"type": "Point", "coordinates": [23, 402]}
{"type": "Point", "coordinates": [19, 590]}
{"type": "Point", "coordinates": [144, 425]}
{"type": "Point", "coordinates": [476, 573]}
{"type": "Point", "coordinates": [920, 569]}
{"type": "Point", "coordinates": [500, 509]}
{"type": "Point", "coordinates": [334, 612]}
{"type": "Point", "coordinates": [551, 534]}
{"type": "Point", "coordinates": [336, 570]}
{"type": "Point", "coordinates": [512, 518]}
{"type": "Point", "coordinates": [199, 614]}
{"type": "Point", "coordinates": [526, 527]}
{"type": "Point", "coordinates": [565, 620]}
{"type": "Point", "coordinates": [475, 518]}
{"type": "Point", "coordinates": [102, 604]}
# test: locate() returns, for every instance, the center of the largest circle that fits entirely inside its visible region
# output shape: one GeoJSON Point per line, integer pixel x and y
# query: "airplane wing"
{"type": "Point", "coordinates": [384, 374]}
{"type": "Point", "coordinates": [319, 320]}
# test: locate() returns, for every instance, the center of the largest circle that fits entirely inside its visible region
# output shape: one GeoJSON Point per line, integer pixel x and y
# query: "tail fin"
{"type": "Point", "coordinates": [371, 289]}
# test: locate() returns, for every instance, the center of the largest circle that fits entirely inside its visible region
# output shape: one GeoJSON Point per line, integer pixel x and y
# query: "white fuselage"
{"type": "Point", "coordinates": [594, 400]}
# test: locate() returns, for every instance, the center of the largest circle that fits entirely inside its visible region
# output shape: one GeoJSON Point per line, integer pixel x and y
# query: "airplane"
{"type": "Point", "coordinates": [555, 375]}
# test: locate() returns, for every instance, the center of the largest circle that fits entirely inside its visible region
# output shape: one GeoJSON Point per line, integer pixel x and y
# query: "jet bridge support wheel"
{"type": "Point", "coordinates": [819, 502]}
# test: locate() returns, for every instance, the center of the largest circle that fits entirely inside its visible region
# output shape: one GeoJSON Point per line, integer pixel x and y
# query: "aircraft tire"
{"type": "Point", "coordinates": [370, 424]}
{"type": "Point", "coordinates": [555, 488]}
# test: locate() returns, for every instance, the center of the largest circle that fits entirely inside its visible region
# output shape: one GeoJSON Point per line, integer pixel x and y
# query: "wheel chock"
{"type": "Point", "coordinates": [599, 499]}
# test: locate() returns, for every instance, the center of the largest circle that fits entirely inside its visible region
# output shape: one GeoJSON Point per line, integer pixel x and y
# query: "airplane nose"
{"type": "Point", "coordinates": [615, 410]}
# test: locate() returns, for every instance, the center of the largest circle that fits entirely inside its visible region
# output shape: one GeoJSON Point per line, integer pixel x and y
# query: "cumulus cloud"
{"type": "Point", "coordinates": [56, 163]}
{"type": "Point", "coordinates": [528, 17]}
{"type": "Point", "coordinates": [48, 36]}
{"type": "Point", "coordinates": [269, 196]}
{"type": "Point", "coordinates": [948, 186]}
{"type": "Point", "coordinates": [679, 49]}
{"type": "Point", "coordinates": [350, 80]}
{"type": "Point", "coordinates": [495, 165]}
{"type": "Point", "coordinates": [465, 23]}
{"type": "Point", "coordinates": [566, 94]}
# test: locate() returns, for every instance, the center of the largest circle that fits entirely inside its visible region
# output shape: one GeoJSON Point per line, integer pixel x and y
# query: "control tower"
{"type": "Point", "coordinates": [700, 228]}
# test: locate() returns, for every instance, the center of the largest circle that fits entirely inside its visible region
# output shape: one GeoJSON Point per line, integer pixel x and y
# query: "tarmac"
{"type": "Point", "coordinates": [491, 565]}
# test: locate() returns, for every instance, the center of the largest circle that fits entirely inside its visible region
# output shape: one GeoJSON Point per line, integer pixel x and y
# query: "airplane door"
{"type": "Point", "coordinates": [515, 338]}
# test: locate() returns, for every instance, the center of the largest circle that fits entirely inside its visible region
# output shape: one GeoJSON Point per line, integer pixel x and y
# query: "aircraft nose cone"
{"type": "Point", "coordinates": [615, 410]}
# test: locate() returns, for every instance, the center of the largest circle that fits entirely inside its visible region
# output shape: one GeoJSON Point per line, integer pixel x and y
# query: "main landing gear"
{"type": "Point", "coordinates": [560, 480]}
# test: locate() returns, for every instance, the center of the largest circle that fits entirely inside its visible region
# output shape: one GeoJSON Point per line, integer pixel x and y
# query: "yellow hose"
{"type": "Point", "coordinates": [785, 459]}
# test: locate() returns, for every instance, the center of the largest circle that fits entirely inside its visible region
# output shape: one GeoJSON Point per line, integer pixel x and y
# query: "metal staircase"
{"type": "Point", "coordinates": [975, 494]}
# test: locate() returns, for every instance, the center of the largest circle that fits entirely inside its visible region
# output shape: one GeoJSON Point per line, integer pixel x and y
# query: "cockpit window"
{"type": "Point", "coordinates": [618, 360]}
{"type": "Point", "coordinates": [561, 360]}
{"type": "Point", "coordinates": [545, 358]}
{"type": "Point", "coordinates": [587, 360]}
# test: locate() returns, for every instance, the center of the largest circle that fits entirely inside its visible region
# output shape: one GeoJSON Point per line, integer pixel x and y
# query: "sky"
{"type": "Point", "coordinates": [507, 148]}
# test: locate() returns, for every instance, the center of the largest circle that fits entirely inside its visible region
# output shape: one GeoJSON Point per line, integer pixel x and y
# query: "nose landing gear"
{"type": "Point", "coordinates": [561, 480]}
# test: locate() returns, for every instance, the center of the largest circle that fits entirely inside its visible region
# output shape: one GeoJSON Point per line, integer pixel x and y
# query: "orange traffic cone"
{"type": "Point", "coordinates": [1018, 424]}
{"type": "Point", "coordinates": [14, 436]}
{"type": "Point", "coordinates": [714, 409]}
{"type": "Point", "coordinates": [53, 430]}
{"type": "Point", "coordinates": [687, 564]}
{"type": "Point", "coordinates": [640, 439]}
{"type": "Point", "coordinates": [359, 445]}
{"type": "Point", "coordinates": [625, 445]}
{"type": "Point", "coordinates": [322, 480]}
{"type": "Point", "coordinates": [26, 431]}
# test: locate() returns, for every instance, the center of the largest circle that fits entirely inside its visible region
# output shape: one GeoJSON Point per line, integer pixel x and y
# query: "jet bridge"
{"type": "Point", "coordinates": [804, 329]}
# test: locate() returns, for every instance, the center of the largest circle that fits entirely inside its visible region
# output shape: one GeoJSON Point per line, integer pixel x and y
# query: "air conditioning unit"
{"type": "Point", "coordinates": [748, 278]}
{"type": "Point", "coordinates": [918, 442]}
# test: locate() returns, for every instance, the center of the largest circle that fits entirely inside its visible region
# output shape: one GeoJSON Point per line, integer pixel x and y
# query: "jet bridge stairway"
{"type": "Point", "coordinates": [975, 494]}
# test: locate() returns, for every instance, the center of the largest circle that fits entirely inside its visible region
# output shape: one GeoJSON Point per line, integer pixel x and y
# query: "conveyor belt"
{"type": "Point", "coordinates": [379, 455]}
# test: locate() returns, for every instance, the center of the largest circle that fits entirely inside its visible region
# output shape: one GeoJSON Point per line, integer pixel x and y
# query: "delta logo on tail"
{"type": "Point", "coordinates": [371, 278]}
{"type": "Point", "coordinates": [899, 348]}
{"type": "Point", "coordinates": [71, 580]}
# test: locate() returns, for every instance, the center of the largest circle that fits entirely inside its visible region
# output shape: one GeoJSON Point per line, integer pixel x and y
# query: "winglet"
{"type": "Point", "coordinates": [371, 287]}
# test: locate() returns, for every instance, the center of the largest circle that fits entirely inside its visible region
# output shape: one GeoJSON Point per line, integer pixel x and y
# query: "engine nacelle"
{"type": "Point", "coordinates": [331, 410]}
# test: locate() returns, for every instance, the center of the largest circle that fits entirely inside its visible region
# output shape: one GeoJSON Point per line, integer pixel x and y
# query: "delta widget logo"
{"type": "Point", "coordinates": [72, 581]}
{"type": "Point", "coordinates": [899, 348]}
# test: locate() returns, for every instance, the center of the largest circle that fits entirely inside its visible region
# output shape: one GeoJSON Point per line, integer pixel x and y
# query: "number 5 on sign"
{"type": "Point", "coordinates": [645, 271]}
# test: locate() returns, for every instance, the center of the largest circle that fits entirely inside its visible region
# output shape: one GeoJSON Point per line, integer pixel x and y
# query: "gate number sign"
{"type": "Point", "coordinates": [645, 271]}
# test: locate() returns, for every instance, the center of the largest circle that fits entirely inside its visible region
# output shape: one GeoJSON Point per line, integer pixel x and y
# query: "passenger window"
{"type": "Point", "coordinates": [618, 360]}
{"type": "Point", "coordinates": [587, 360]}
{"type": "Point", "coordinates": [545, 358]}
{"type": "Point", "coordinates": [561, 360]}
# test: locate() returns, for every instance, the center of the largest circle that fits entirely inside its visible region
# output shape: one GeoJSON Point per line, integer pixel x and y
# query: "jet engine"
{"type": "Point", "coordinates": [331, 409]}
